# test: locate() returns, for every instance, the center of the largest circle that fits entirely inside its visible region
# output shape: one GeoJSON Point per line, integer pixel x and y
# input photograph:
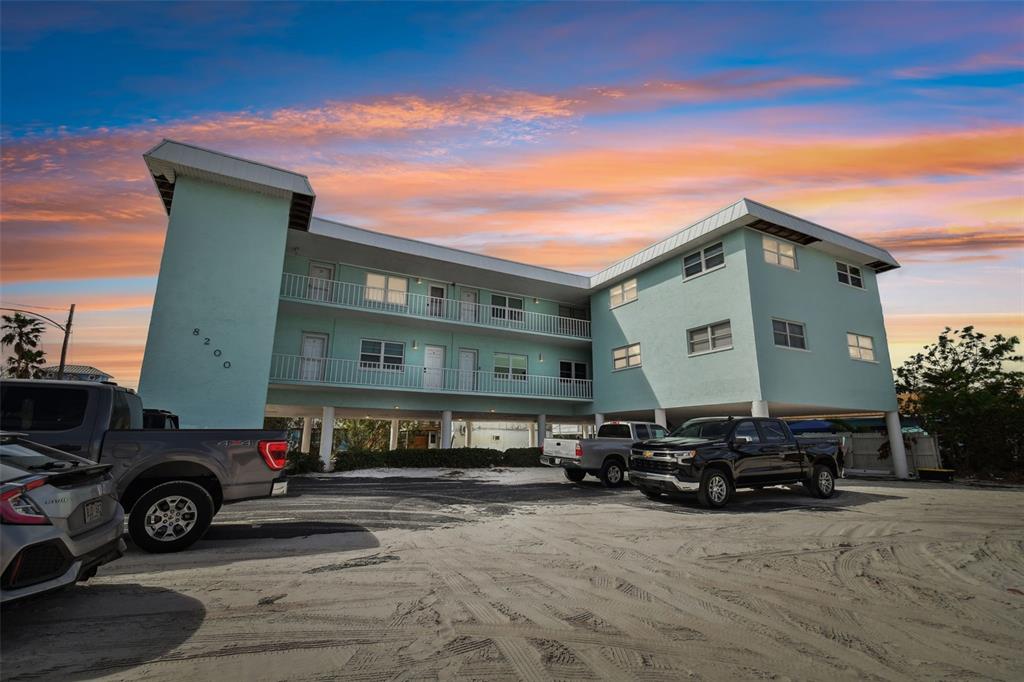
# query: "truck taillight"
{"type": "Point", "coordinates": [275, 453]}
{"type": "Point", "coordinates": [579, 450]}
{"type": "Point", "coordinates": [16, 507]}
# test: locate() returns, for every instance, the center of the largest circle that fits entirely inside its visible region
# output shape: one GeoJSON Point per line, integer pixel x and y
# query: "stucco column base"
{"type": "Point", "coordinates": [307, 435]}
{"type": "Point", "coordinates": [598, 420]}
{"type": "Point", "coordinates": [659, 417]}
{"type": "Point", "coordinates": [327, 438]}
{"type": "Point", "coordinates": [542, 429]}
{"type": "Point", "coordinates": [446, 429]}
{"type": "Point", "coordinates": [393, 441]}
{"type": "Point", "coordinates": [759, 408]}
{"type": "Point", "coordinates": [896, 449]}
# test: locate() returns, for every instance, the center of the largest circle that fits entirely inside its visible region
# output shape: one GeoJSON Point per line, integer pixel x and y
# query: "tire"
{"type": "Point", "coordinates": [613, 472]}
{"type": "Point", "coordinates": [180, 502]}
{"type": "Point", "coordinates": [574, 475]}
{"type": "Point", "coordinates": [715, 488]}
{"type": "Point", "coordinates": [822, 483]}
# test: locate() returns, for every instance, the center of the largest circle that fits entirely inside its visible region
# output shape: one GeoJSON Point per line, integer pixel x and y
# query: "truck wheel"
{"type": "Point", "coordinates": [574, 475]}
{"type": "Point", "coordinates": [612, 473]}
{"type": "Point", "coordinates": [822, 483]}
{"type": "Point", "coordinates": [715, 488]}
{"type": "Point", "coordinates": [170, 517]}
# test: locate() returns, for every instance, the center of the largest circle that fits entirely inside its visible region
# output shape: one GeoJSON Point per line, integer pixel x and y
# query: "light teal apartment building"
{"type": "Point", "coordinates": [261, 309]}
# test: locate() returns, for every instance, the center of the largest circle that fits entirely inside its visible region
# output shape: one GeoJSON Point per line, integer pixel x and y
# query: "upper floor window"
{"type": "Point", "coordinates": [704, 260]}
{"type": "Point", "coordinates": [778, 252]}
{"type": "Point", "coordinates": [570, 369]}
{"type": "Point", "coordinates": [861, 347]}
{"type": "Point", "coordinates": [625, 357]}
{"type": "Point", "coordinates": [506, 308]}
{"type": "Point", "coordinates": [789, 334]}
{"type": "Point", "coordinates": [710, 337]}
{"type": "Point", "coordinates": [377, 354]}
{"type": "Point", "coordinates": [510, 366]}
{"type": "Point", "coordinates": [622, 293]}
{"type": "Point", "coordinates": [849, 274]}
{"type": "Point", "coordinates": [386, 289]}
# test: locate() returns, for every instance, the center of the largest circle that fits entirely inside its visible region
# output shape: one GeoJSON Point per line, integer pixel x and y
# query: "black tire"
{"type": "Point", "coordinates": [651, 494]}
{"type": "Point", "coordinates": [715, 488]}
{"type": "Point", "coordinates": [574, 475]}
{"type": "Point", "coordinates": [822, 483]}
{"type": "Point", "coordinates": [613, 472]}
{"type": "Point", "coordinates": [184, 502]}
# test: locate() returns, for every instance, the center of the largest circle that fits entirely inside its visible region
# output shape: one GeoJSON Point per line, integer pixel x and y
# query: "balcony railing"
{"type": "Point", "coordinates": [335, 372]}
{"type": "Point", "coordinates": [348, 295]}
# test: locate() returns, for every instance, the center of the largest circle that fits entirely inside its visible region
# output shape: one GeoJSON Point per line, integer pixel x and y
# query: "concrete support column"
{"type": "Point", "coordinates": [532, 428]}
{"type": "Point", "coordinates": [393, 441]}
{"type": "Point", "coordinates": [896, 449]}
{"type": "Point", "coordinates": [307, 435]}
{"type": "Point", "coordinates": [327, 438]}
{"type": "Point", "coordinates": [598, 420]}
{"type": "Point", "coordinates": [469, 434]}
{"type": "Point", "coordinates": [446, 429]}
{"type": "Point", "coordinates": [659, 417]}
{"type": "Point", "coordinates": [542, 429]}
{"type": "Point", "coordinates": [759, 408]}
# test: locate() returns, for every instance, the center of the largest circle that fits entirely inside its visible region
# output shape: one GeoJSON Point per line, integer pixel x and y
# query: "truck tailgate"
{"type": "Point", "coordinates": [560, 447]}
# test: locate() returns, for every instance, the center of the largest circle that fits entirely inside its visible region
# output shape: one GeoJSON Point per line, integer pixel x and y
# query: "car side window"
{"type": "Point", "coordinates": [747, 429]}
{"type": "Point", "coordinates": [774, 432]}
{"type": "Point", "coordinates": [614, 431]}
{"type": "Point", "coordinates": [658, 432]}
{"type": "Point", "coordinates": [641, 432]}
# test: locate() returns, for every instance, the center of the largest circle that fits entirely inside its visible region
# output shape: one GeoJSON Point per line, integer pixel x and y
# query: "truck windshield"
{"type": "Point", "coordinates": [710, 429]}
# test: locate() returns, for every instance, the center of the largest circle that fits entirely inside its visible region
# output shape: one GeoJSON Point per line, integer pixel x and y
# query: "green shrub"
{"type": "Point", "coordinates": [303, 462]}
{"type": "Point", "coordinates": [455, 458]}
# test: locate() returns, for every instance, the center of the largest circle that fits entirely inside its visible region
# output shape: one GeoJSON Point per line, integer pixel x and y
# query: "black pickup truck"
{"type": "Point", "coordinates": [714, 456]}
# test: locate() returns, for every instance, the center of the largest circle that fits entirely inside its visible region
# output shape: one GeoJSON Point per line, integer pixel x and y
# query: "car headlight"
{"type": "Point", "coordinates": [686, 456]}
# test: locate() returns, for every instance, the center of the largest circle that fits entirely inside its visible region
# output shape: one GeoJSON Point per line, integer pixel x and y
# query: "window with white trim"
{"type": "Point", "coordinates": [710, 337]}
{"type": "Point", "coordinates": [778, 252]}
{"type": "Point", "coordinates": [378, 354]}
{"type": "Point", "coordinates": [709, 258]}
{"type": "Point", "coordinates": [506, 308]}
{"type": "Point", "coordinates": [625, 357]}
{"type": "Point", "coordinates": [861, 347]}
{"type": "Point", "coordinates": [789, 334]}
{"type": "Point", "coordinates": [622, 293]}
{"type": "Point", "coordinates": [510, 366]}
{"type": "Point", "coordinates": [571, 369]}
{"type": "Point", "coordinates": [386, 289]}
{"type": "Point", "coordinates": [849, 274]}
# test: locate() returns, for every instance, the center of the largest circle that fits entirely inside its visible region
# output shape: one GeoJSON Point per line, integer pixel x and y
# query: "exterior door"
{"type": "Point", "coordinates": [433, 367]}
{"type": "Point", "coordinates": [314, 357]}
{"type": "Point", "coordinates": [786, 453]}
{"type": "Point", "coordinates": [468, 312]}
{"type": "Point", "coordinates": [467, 369]}
{"type": "Point", "coordinates": [320, 278]}
{"type": "Point", "coordinates": [752, 464]}
{"type": "Point", "coordinates": [437, 294]}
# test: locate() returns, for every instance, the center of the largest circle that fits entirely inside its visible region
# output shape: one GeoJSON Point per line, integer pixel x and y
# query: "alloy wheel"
{"type": "Point", "coordinates": [170, 518]}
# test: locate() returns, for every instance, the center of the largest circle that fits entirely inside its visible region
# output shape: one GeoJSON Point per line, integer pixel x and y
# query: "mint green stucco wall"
{"type": "Point", "coordinates": [220, 273]}
{"type": "Point", "coordinates": [659, 319]}
{"type": "Point", "coordinates": [824, 375]}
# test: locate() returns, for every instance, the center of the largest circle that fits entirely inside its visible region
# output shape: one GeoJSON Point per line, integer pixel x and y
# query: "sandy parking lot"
{"type": "Point", "coordinates": [523, 576]}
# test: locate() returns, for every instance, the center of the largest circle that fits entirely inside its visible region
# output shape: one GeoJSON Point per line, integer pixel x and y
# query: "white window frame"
{"type": "Point", "coordinates": [855, 347]}
{"type": "Point", "coordinates": [627, 355]}
{"type": "Point", "coordinates": [507, 312]}
{"type": "Point", "coordinates": [775, 256]}
{"type": "Point", "coordinates": [803, 326]}
{"type": "Point", "coordinates": [509, 376]}
{"type": "Point", "coordinates": [702, 255]}
{"type": "Point", "coordinates": [387, 294]}
{"type": "Point", "coordinates": [710, 338]}
{"type": "Point", "coordinates": [849, 274]}
{"type": "Point", "coordinates": [620, 290]}
{"type": "Point", "coordinates": [379, 367]}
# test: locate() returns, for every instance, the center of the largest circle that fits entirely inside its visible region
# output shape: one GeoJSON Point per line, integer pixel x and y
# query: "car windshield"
{"type": "Point", "coordinates": [709, 429]}
{"type": "Point", "coordinates": [27, 455]}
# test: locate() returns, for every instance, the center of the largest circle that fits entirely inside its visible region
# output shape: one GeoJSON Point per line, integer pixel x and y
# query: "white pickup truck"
{"type": "Point", "coordinates": [605, 456]}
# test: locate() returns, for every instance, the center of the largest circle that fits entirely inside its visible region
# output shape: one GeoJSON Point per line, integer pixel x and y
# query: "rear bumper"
{"type": "Point", "coordinates": [661, 482]}
{"type": "Point", "coordinates": [563, 462]}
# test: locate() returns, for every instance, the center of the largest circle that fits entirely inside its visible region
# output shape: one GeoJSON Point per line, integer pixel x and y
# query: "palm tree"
{"type": "Point", "coordinates": [22, 334]}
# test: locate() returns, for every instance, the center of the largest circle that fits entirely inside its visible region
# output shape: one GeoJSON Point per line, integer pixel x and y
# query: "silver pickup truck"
{"type": "Point", "coordinates": [605, 456]}
{"type": "Point", "coordinates": [170, 482]}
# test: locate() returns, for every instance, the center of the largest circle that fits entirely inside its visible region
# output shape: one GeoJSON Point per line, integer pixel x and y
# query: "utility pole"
{"type": "Point", "coordinates": [64, 347]}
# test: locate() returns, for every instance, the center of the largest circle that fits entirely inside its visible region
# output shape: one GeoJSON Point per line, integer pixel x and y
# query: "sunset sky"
{"type": "Point", "coordinates": [564, 135]}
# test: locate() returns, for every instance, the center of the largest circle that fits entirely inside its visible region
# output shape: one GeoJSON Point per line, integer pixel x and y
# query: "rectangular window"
{"type": "Point", "coordinates": [701, 261]}
{"type": "Point", "coordinates": [43, 408]}
{"type": "Point", "coordinates": [779, 252]}
{"type": "Point", "coordinates": [622, 293]}
{"type": "Point", "coordinates": [861, 347]}
{"type": "Point", "coordinates": [570, 369]}
{"type": "Point", "coordinates": [386, 289]}
{"type": "Point", "coordinates": [711, 337]}
{"type": "Point", "coordinates": [510, 366]}
{"type": "Point", "coordinates": [625, 357]}
{"type": "Point", "coordinates": [386, 355]}
{"type": "Point", "coordinates": [789, 334]}
{"type": "Point", "coordinates": [849, 274]}
{"type": "Point", "coordinates": [506, 308]}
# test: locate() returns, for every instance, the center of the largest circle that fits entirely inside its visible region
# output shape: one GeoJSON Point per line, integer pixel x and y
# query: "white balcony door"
{"type": "Point", "coordinates": [320, 277]}
{"type": "Point", "coordinates": [470, 299]}
{"type": "Point", "coordinates": [467, 369]}
{"type": "Point", "coordinates": [314, 354]}
{"type": "Point", "coordinates": [433, 367]}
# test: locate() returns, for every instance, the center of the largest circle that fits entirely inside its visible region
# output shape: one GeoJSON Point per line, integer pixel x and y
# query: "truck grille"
{"type": "Point", "coordinates": [36, 564]}
{"type": "Point", "coordinates": [653, 466]}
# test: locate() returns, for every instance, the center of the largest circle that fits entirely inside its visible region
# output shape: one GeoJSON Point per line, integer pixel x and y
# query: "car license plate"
{"type": "Point", "coordinates": [93, 510]}
{"type": "Point", "coordinates": [648, 453]}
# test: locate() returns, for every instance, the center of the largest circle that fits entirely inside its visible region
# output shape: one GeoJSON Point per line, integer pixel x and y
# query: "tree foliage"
{"type": "Point", "coordinates": [21, 334]}
{"type": "Point", "coordinates": [963, 390]}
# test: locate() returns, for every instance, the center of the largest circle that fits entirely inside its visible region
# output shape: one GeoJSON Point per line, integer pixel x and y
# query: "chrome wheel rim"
{"type": "Point", "coordinates": [825, 482]}
{"type": "Point", "coordinates": [717, 489]}
{"type": "Point", "coordinates": [614, 474]}
{"type": "Point", "coordinates": [171, 518]}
